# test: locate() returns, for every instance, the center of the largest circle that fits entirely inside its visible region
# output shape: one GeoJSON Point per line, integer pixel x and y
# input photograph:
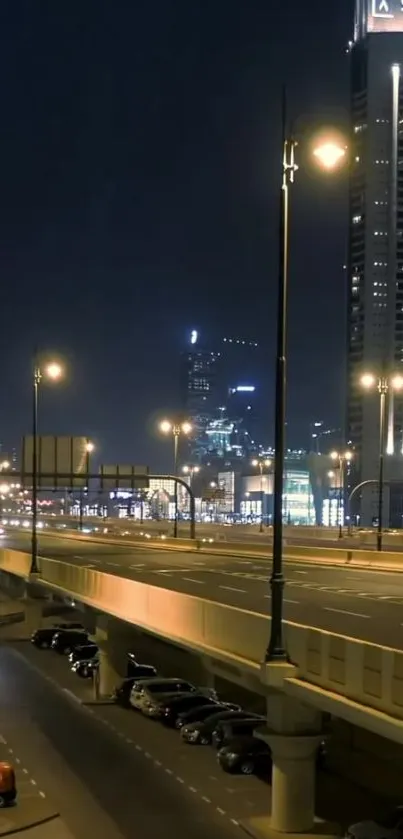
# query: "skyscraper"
{"type": "Point", "coordinates": [375, 265]}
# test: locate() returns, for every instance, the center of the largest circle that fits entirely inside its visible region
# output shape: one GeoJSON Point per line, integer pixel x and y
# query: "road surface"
{"type": "Point", "coordinates": [101, 784]}
{"type": "Point", "coordinates": [354, 602]}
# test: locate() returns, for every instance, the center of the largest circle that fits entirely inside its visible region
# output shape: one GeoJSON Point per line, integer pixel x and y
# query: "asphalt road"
{"type": "Point", "coordinates": [359, 603]}
{"type": "Point", "coordinates": [101, 784]}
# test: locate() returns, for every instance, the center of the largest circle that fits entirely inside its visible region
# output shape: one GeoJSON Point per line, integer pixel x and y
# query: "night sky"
{"type": "Point", "coordinates": [140, 155]}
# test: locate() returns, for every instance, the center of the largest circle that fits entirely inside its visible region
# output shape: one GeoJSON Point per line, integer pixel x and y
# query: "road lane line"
{"type": "Point", "coordinates": [343, 612]}
{"type": "Point", "coordinates": [295, 602]}
{"type": "Point", "coordinates": [230, 588]}
{"type": "Point", "coordinates": [138, 565]}
{"type": "Point", "coordinates": [191, 580]}
{"type": "Point", "coordinates": [115, 564]}
{"type": "Point", "coordinates": [297, 571]}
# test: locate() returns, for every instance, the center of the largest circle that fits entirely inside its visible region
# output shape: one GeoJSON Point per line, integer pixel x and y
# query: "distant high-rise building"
{"type": "Point", "coordinates": [375, 265]}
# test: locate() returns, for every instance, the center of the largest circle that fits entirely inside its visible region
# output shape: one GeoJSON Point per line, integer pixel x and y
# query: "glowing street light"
{"type": "Point", "coordinates": [176, 429]}
{"type": "Point", "coordinates": [261, 463]}
{"type": "Point", "coordinates": [190, 471]}
{"type": "Point", "coordinates": [341, 458]}
{"type": "Point", "coordinates": [53, 371]}
{"type": "Point", "coordinates": [383, 384]}
{"type": "Point", "coordinates": [329, 154]}
{"type": "Point", "coordinates": [325, 154]}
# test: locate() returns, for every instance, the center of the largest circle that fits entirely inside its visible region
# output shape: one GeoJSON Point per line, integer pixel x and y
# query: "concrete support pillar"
{"type": "Point", "coordinates": [107, 677]}
{"type": "Point", "coordinates": [293, 782]}
{"type": "Point", "coordinates": [33, 616]}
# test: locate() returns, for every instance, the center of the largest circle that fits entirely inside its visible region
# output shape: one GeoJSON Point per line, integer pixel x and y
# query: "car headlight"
{"type": "Point", "coordinates": [193, 736]}
{"type": "Point", "coordinates": [231, 756]}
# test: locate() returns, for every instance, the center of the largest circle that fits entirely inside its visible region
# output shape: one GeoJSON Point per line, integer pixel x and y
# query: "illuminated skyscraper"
{"type": "Point", "coordinates": [375, 265]}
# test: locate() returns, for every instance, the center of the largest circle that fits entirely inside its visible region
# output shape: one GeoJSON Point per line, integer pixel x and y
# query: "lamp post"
{"type": "Point", "coordinates": [52, 371]}
{"type": "Point", "coordinates": [190, 471]}
{"type": "Point", "coordinates": [383, 384]}
{"type": "Point", "coordinates": [261, 463]}
{"type": "Point", "coordinates": [176, 429]}
{"type": "Point", "coordinates": [89, 448]}
{"type": "Point", "coordinates": [341, 459]}
{"type": "Point", "coordinates": [328, 154]}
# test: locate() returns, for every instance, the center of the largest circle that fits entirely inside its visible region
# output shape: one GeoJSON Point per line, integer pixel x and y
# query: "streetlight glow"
{"type": "Point", "coordinates": [368, 380]}
{"type": "Point", "coordinates": [186, 427]}
{"type": "Point", "coordinates": [53, 370]}
{"type": "Point", "coordinates": [329, 154]}
{"type": "Point", "coordinates": [397, 382]}
{"type": "Point", "coordinates": [89, 447]}
{"type": "Point", "coordinates": [165, 426]}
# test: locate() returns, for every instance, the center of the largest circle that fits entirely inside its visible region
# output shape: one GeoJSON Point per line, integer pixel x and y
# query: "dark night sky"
{"type": "Point", "coordinates": [139, 191]}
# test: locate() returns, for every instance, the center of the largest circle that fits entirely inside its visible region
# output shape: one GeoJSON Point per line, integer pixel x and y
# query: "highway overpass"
{"type": "Point", "coordinates": [350, 678]}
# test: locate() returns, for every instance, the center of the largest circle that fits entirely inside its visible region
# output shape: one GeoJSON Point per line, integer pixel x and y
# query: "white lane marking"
{"type": "Point", "coordinates": [169, 771]}
{"type": "Point", "coordinates": [78, 556]}
{"type": "Point", "coordinates": [207, 800]}
{"type": "Point", "coordinates": [295, 602]}
{"type": "Point", "coordinates": [138, 565]}
{"type": "Point", "coordinates": [230, 588]}
{"type": "Point", "coordinates": [191, 580]}
{"type": "Point", "coordinates": [115, 564]}
{"type": "Point", "coordinates": [33, 782]}
{"type": "Point", "coordinates": [193, 789]}
{"type": "Point", "coordinates": [220, 811]}
{"type": "Point", "coordinates": [42, 794]}
{"type": "Point", "coordinates": [25, 771]}
{"type": "Point", "coordinates": [343, 612]}
{"type": "Point", "coordinates": [90, 566]}
{"type": "Point", "coordinates": [297, 571]}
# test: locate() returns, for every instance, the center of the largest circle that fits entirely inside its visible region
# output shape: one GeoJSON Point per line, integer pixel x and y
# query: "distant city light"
{"type": "Point", "coordinates": [245, 389]}
{"type": "Point", "coordinates": [194, 336]}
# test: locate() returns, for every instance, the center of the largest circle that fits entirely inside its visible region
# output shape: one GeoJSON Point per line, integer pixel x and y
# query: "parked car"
{"type": "Point", "coordinates": [200, 733]}
{"type": "Point", "coordinates": [69, 625]}
{"type": "Point", "coordinates": [122, 691]}
{"type": "Point", "coordinates": [83, 653]}
{"type": "Point", "coordinates": [245, 755]}
{"type": "Point", "coordinates": [42, 638]}
{"type": "Point", "coordinates": [386, 827]}
{"type": "Point", "coordinates": [146, 695]}
{"type": "Point", "coordinates": [66, 640]}
{"type": "Point", "coordinates": [171, 709]}
{"type": "Point", "coordinates": [228, 729]}
{"type": "Point", "coordinates": [86, 668]}
{"type": "Point", "coordinates": [202, 712]}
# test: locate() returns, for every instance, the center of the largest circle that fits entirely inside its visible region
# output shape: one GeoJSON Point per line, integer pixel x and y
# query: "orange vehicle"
{"type": "Point", "coordinates": [8, 790]}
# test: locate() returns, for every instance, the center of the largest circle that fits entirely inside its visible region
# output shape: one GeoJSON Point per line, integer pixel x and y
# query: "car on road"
{"type": "Point", "coordinates": [146, 695]}
{"type": "Point", "coordinates": [83, 653]}
{"type": "Point", "coordinates": [121, 694]}
{"type": "Point", "coordinates": [202, 712]}
{"type": "Point", "coordinates": [66, 640]}
{"type": "Point", "coordinates": [201, 733]}
{"type": "Point", "coordinates": [85, 669]}
{"type": "Point", "coordinates": [245, 756]}
{"type": "Point", "coordinates": [171, 709]}
{"type": "Point", "coordinates": [229, 729]}
{"type": "Point", "coordinates": [389, 826]}
{"type": "Point", "coordinates": [42, 638]}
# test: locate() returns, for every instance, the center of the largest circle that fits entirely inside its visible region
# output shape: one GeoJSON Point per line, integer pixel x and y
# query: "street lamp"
{"type": "Point", "coordinates": [53, 371]}
{"type": "Point", "coordinates": [261, 463]}
{"type": "Point", "coordinates": [89, 448]}
{"type": "Point", "coordinates": [191, 470]}
{"type": "Point", "coordinates": [383, 383]}
{"type": "Point", "coordinates": [176, 429]}
{"type": "Point", "coordinates": [328, 153]}
{"type": "Point", "coordinates": [341, 459]}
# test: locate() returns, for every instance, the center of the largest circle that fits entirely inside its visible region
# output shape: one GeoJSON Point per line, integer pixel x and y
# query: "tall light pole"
{"type": "Point", "coordinates": [190, 471]}
{"type": "Point", "coordinates": [341, 459]}
{"type": "Point", "coordinates": [52, 371]}
{"type": "Point", "coordinates": [176, 429]}
{"type": "Point", "coordinates": [328, 154]}
{"type": "Point", "coordinates": [261, 463]}
{"type": "Point", "coordinates": [383, 384]}
{"type": "Point", "coordinates": [89, 448]}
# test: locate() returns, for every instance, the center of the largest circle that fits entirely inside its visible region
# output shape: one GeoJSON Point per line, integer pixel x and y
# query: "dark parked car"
{"type": "Point", "coordinates": [43, 638]}
{"type": "Point", "coordinates": [122, 691]}
{"type": "Point", "coordinates": [200, 733]}
{"type": "Point", "coordinates": [83, 653]}
{"type": "Point", "coordinates": [227, 730]}
{"type": "Point", "coordinates": [66, 640]}
{"type": "Point", "coordinates": [202, 712]}
{"type": "Point", "coordinates": [85, 669]}
{"type": "Point", "coordinates": [245, 755]}
{"type": "Point", "coordinates": [173, 707]}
